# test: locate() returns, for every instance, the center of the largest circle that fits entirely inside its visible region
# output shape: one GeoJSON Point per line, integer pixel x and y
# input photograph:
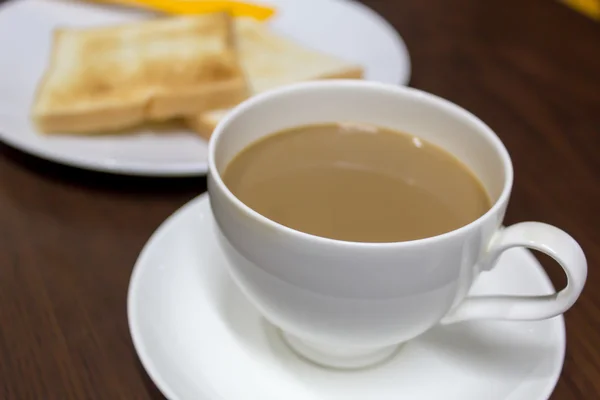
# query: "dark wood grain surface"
{"type": "Point", "coordinates": [69, 238]}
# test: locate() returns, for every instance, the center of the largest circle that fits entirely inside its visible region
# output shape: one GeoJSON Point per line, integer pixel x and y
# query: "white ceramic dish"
{"type": "Point", "coordinates": [200, 339]}
{"type": "Point", "coordinates": [340, 27]}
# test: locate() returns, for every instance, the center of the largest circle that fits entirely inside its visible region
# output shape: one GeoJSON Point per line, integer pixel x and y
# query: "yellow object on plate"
{"type": "Point", "coordinates": [590, 8]}
{"type": "Point", "coordinates": [186, 7]}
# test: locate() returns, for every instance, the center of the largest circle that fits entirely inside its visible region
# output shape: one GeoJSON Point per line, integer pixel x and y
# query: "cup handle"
{"type": "Point", "coordinates": [542, 237]}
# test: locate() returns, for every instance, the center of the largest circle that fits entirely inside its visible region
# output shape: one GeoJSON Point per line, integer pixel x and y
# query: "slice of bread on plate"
{"type": "Point", "coordinates": [271, 61]}
{"type": "Point", "coordinates": [112, 78]}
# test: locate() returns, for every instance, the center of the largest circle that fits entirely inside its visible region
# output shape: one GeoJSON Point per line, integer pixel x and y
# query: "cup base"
{"type": "Point", "coordinates": [340, 358]}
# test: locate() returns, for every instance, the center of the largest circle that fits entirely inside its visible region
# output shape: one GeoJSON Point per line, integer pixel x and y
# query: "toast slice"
{"type": "Point", "coordinates": [271, 61]}
{"type": "Point", "coordinates": [112, 78]}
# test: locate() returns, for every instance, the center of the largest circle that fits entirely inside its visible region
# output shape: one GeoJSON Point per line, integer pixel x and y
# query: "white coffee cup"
{"type": "Point", "coordinates": [349, 304]}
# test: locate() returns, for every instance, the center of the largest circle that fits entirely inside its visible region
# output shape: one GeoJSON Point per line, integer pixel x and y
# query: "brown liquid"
{"type": "Point", "coordinates": [356, 183]}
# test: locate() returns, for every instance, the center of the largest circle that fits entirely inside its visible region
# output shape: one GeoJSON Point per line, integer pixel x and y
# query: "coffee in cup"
{"type": "Point", "coordinates": [356, 182]}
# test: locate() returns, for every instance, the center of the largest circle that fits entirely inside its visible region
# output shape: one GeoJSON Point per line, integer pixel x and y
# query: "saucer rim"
{"type": "Point", "coordinates": [166, 227]}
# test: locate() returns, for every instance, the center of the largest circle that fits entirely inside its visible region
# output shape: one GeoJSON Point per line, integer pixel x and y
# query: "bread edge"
{"type": "Point", "coordinates": [158, 107]}
{"type": "Point", "coordinates": [204, 126]}
{"type": "Point", "coordinates": [219, 95]}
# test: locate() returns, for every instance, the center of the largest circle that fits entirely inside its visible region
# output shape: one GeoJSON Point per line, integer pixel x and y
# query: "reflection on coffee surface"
{"type": "Point", "coordinates": [356, 183]}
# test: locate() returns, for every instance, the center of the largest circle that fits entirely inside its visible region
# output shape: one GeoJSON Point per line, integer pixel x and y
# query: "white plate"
{"type": "Point", "coordinates": [343, 28]}
{"type": "Point", "coordinates": [200, 339]}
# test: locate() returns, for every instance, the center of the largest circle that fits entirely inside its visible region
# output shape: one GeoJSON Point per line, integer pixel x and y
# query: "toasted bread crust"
{"type": "Point", "coordinates": [204, 124]}
{"type": "Point", "coordinates": [271, 61]}
{"type": "Point", "coordinates": [117, 77]}
{"type": "Point", "coordinates": [201, 125]}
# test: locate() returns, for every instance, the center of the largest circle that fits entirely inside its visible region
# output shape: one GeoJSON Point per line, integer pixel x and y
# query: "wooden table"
{"type": "Point", "coordinates": [69, 238]}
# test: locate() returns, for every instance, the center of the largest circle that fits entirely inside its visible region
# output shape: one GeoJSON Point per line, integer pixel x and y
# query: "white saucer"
{"type": "Point", "coordinates": [199, 338]}
{"type": "Point", "coordinates": [339, 27]}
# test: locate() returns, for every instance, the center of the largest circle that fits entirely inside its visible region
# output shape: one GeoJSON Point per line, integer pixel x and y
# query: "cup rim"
{"type": "Point", "coordinates": [333, 84]}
